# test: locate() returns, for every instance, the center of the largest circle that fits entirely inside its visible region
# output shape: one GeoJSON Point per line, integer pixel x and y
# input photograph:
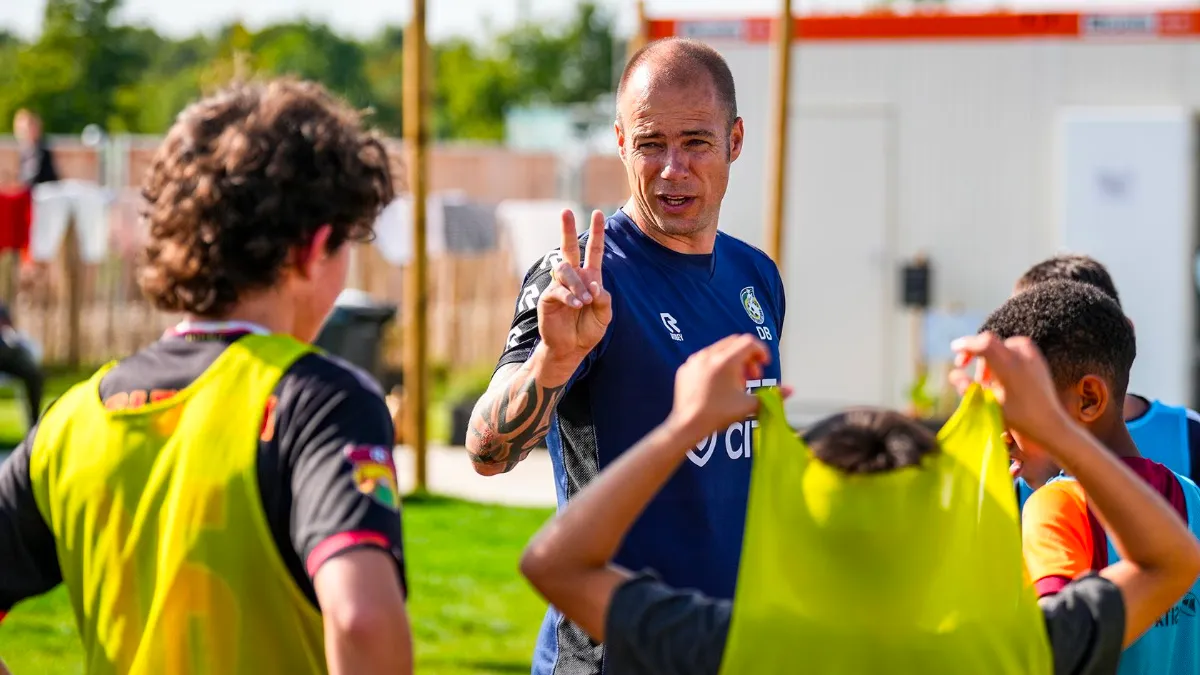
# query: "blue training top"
{"type": "Point", "coordinates": [666, 306]}
{"type": "Point", "coordinates": [1172, 645]}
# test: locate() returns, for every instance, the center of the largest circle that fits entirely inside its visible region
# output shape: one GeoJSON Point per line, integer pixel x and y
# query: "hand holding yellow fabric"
{"type": "Point", "coordinates": [917, 570]}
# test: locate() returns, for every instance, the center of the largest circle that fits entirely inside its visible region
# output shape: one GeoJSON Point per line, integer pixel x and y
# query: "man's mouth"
{"type": "Point", "coordinates": [1014, 467]}
{"type": "Point", "coordinates": [673, 202]}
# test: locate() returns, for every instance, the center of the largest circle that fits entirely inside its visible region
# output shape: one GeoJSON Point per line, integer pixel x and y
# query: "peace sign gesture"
{"type": "Point", "coordinates": [575, 309]}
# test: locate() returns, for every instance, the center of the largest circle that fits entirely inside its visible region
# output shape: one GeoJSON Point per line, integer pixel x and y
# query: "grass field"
{"type": "Point", "coordinates": [471, 611]}
{"type": "Point", "coordinates": [13, 422]}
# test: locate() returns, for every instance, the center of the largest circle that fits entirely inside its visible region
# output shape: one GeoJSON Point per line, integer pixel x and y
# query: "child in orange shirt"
{"type": "Point", "coordinates": [1090, 347]}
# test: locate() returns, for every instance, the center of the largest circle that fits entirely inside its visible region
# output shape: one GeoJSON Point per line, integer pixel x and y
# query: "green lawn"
{"type": "Point", "coordinates": [471, 612]}
{"type": "Point", "coordinates": [13, 422]}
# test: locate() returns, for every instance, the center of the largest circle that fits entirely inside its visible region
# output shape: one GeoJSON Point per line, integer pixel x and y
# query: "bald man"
{"type": "Point", "coordinates": [603, 323]}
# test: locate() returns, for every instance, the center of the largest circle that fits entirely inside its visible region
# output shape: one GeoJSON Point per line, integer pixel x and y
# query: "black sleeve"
{"type": "Point", "coordinates": [335, 437]}
{"type": "Point", "coordinates": [28, 555]}
{"type": "Point", "coordinates": [1085, 622]}
{"type": "Point", "coordinates": [654, 629]}
{"type": "Point", "coordinates": [523, 332]}
{"type": "Point", "coordinates": [1193, 438]}
{"type": "Point", "coordinates": [47, 172]}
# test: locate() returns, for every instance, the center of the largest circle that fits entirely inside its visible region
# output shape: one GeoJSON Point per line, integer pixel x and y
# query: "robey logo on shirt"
{"type": "Point", "coordinates": [736, 439]}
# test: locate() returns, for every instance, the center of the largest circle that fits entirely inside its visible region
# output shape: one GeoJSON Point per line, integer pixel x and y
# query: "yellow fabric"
{"type": "Point", "coordinates": [163, 543]}
{"type": "Point", "coordinates": [915, 571]}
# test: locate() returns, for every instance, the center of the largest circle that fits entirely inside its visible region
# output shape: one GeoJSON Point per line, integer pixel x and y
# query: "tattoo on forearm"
{"type": "Point", "coordinates": [511, 420]}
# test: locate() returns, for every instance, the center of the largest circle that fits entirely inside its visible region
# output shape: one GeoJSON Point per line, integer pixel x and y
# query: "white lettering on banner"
{"type": "Point", "coordinates": [1118, 24]}
{"type": "Point", "coordinates": [738, 436]}
{"type": "Point", "coordinates": [700, 30]}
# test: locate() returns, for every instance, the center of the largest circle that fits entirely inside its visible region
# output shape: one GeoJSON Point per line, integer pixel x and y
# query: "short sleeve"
{"type": "Point", "coordinates": [523, 332]}
{"type": "Point", "coordinates": [336, 437]}
{"type": "Point", "coordinates": [1056, 536]}
{"type": "Point", "coordinates": [653, 629]}
{"type": "Point", "coordinates": [28, 555]}
{"type": "Point", "coordinates": [1085, 623]}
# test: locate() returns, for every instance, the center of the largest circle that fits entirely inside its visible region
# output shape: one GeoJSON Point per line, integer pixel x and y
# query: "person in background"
{"type": "Point", "coordinates": [224, 501]}
{"type": "Point", "coordinates": [602, 324]}
{"type": "Point", "coordinates": [1090, 347]}
{"type": "Point", "coordinates": [37, 162]}
{"type": "Point", "coordinates": [1163, 433]}
{"type": "Point", "coordinates": [652, 627]}
{"type": "Point", "coordinates": [17, 359]}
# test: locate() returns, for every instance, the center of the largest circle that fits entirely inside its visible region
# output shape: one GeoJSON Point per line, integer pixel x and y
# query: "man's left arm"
{"type": "Point", "coordinates": [28, 555]}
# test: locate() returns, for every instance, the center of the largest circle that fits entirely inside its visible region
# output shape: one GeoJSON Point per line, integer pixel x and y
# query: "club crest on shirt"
{"type": "Point", "coordinates": [750, 303]}
{"type": "Point", "coordinates": [374, 473]}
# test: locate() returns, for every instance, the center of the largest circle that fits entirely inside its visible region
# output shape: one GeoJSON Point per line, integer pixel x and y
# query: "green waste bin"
{"type": "Point", "coordinates": [353, 331]}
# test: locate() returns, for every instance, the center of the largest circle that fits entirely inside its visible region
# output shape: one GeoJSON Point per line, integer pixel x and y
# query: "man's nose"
{"type": "Point", "coordinates": [676, 167]}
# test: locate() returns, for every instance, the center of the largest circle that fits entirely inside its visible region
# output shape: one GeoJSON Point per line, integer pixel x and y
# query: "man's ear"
{"type": "Point", "coordinates": [736, 137]}
{"type": "Point", "coordinates": [1094, 397]}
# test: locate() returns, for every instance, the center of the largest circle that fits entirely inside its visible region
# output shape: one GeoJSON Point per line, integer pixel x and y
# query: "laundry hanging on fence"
{"type": "Point", "coordinates": [54, 204]}
{"type": "Point", "coordinates": [16, 216]}
{"type": "Point", "coordinates": [127, 234]}
{"type": "Point", "coordinates": [533, 228]}
{"type": "Point", "coordinates": [394, 228]}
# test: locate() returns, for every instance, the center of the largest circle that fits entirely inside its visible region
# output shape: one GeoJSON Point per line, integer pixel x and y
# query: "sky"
{"type": "Point", "coordinates": [470, 18]}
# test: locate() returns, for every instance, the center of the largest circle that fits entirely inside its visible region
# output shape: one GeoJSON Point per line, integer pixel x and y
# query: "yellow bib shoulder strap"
{"type": "Point", "coordinates": [917, 570]}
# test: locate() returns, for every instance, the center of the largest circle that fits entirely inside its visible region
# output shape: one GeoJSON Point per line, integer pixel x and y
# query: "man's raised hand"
{"type": "Point", "coordinates": [575, 310]}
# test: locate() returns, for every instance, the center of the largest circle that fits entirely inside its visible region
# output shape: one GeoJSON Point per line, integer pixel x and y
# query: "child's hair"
{"type": "Point", "coordinates": [1071, 267]}
{"type": "Point", "coordinates": [1078, 328]}
{"type": "Point", "coordinates": [243, 178]}
{"type": "Point", "coordinates": [869, 440]}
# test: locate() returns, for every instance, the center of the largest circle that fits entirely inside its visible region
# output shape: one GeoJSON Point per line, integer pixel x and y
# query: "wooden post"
{"type": "Point", "coordinates": [641, 31]}
{"type": "Point", "coordinates": [73, 270]}
{"type": "Point", "coordinates": [416, 132]}
{"type": "Point", "coordinates": [777, 169]}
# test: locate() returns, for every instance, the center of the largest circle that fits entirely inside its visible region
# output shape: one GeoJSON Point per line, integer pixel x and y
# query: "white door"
{"type": "Point", "coordinates": [839, 275]}
{"type": "Point", "coordinates": [1126, 184]}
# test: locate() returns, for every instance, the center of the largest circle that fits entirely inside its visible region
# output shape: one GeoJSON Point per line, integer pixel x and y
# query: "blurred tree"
{"type": "Point", "coordinates": [472, 90]}
{"type": "Point", "coordinates": [86, 68]}
{"type": "Point", "coordinates": [71, 74]}
{"type": "Point", "coordinates": [313, 51]}
{"type": "Point", "coordinates": [385, 74]}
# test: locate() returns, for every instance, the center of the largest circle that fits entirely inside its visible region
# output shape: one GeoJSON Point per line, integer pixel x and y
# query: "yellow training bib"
{"type": "Point", "coordinates": [914, 571]}
{"type": "Point", "coordinates": [161, 536]}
